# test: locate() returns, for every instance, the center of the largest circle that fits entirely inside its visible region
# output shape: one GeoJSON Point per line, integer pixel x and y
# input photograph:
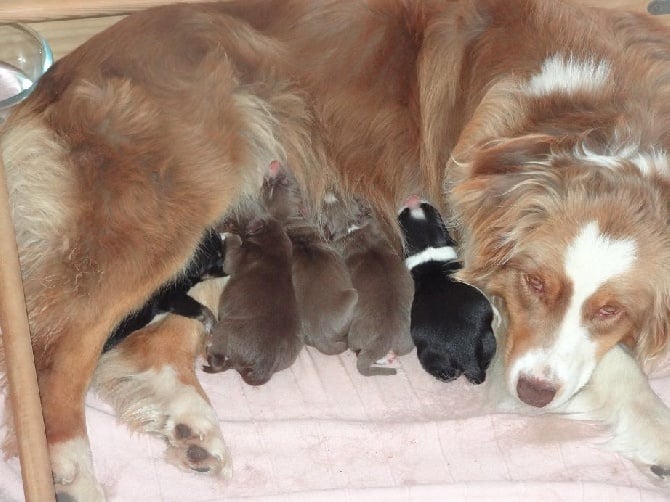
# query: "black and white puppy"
{"type": "Point", "coordinates": [451, 320]}
{"type": "Point", "coordinates": [173, 297]}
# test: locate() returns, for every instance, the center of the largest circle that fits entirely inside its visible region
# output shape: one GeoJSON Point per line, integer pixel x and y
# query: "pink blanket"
{"type": "Point", "coordinates": [320, 431]}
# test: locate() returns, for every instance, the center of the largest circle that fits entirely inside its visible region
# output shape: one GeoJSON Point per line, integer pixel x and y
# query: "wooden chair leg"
{"type": "Point", "coordinates": [20, 366]}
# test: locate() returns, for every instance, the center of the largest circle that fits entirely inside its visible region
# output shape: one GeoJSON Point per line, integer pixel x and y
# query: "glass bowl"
{"type": "Point", "coordinates": [24, 57]}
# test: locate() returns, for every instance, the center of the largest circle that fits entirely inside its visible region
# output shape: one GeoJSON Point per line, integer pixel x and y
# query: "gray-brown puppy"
{"type": "Point", "coordinates": [385, 288]}
{"type": "Point", "coordinates": [258, 329]}
{"type": "Point", "coordinates": [325, 294]}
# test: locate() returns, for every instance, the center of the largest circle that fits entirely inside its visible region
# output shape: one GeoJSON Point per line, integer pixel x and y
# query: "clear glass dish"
{"type": "Point", "coordinates": [24, 57]}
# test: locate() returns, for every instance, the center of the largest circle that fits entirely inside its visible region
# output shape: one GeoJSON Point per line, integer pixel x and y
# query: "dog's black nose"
{"type": "Point", "coordinates": [535, 392]}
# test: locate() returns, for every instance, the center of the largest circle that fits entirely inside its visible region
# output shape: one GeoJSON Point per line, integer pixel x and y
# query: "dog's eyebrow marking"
{"type": "Point", "coordinates": [568, 74]}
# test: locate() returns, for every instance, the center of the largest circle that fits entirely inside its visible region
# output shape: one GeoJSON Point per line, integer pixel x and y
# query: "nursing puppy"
{"type": "Point", "coordinates": [381, 324]}
{"type": "Point", "coordinates": [207, 263]}
{"type": "Point", "coordinates": [258, 329]}
{"type": "Point", "coordinates": [451, 320]}
{"type": "Point", "coordinates": [324, 292]}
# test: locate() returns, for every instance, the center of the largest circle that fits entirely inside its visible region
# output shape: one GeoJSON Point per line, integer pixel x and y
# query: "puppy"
{"type": "Point", "coordinates": [207, 263]}
{"type": "Point", "coordinates": [381, 323]}
{"type": "Point", "coordinates": [451, 320]}
{"type": "Point", "coordinates": [258, 329]}
{"type": "Point", "coordinates": [324, 292]}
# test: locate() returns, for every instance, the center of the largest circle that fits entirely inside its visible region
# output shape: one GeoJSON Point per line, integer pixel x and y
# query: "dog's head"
{"type": "Point", "coordinates": [574, 243]}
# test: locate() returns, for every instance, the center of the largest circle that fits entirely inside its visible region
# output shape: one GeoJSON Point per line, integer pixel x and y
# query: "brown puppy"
{"type": "Point", "coordinates": [385, 288]}
{"type": "Point", "coordinates": [258, 328]}
{"type": "Point", "coordinates": [326, 297]}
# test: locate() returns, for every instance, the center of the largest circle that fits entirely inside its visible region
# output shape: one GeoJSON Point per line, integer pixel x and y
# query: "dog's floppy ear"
{"type": "Point", "coordinates": [654, 339]}
{"type": "Point", "coordinates": [494, 195]}
{"type": "Point", "coordinates": [508, 155]}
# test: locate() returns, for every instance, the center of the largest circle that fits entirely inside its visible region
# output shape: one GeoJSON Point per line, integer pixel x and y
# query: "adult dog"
{"type": "Point", "coordinates": [546, 125]}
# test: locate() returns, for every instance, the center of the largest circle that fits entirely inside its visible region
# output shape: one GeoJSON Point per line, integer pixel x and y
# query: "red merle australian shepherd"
{"type": "Point", "coordinates": [543, 129]}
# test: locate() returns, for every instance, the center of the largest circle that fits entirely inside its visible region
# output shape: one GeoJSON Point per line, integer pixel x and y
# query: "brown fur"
{"type": "Point", "coordinates": [159, 126]}
{"type": "Point", "coordinates": [326, 297]}
{"type": "Point", "coordinates": [258, 329]}
{"type": "Point", "coordinates": [381, 320]}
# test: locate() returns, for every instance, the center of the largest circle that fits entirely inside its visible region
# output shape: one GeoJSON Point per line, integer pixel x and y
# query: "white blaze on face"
{"type": "Point", "coordinates": [591, 260]}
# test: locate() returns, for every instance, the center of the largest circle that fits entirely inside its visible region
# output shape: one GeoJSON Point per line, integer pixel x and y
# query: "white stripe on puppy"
{"type": "Point", "coordinates": [444, 254]}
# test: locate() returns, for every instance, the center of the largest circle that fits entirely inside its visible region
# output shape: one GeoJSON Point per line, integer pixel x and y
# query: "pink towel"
{"type": "Point", "coordinates": [320, 431]}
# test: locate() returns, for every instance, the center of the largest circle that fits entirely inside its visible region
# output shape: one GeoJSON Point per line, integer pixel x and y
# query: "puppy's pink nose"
{"type": "Point", "coordinates": [535, 392]}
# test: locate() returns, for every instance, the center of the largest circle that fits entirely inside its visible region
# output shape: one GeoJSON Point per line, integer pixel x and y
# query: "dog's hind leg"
{"type": "Point", "coordinates": [619, 395]}
{"type": "Point", "coordinates": [150, 381]}
{"type": "Point", "coordinates": [75, 258]}
{"type": "Point", "coordinates": [62, 391]}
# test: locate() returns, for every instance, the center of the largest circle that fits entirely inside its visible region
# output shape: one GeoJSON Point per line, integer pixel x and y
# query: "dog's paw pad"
{"type": "Point", "coordinates": [200, 450]}
{"type": "Point", "coordinates": [182, 431]}
{"type": "Point", "coordinates": [661, 471]}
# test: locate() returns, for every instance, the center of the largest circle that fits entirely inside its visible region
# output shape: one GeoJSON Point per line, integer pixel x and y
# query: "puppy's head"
{"type": "Point", "coordinates": [280, 193]}
{"type": "Point", "coordinates": [266, 238]}
{"type": "Point", "coordinates": [341, 215]}
{"type": "Point", "coordinates": [422, 227]}
{"type": "Point", "coordinates": [458, 338]}
{"type": "Point", "coordinates": [255, 356]}
{"type": "Point", "coordinates": [575, 244]}
{"type": "Point", "coordinates": [253, 372]}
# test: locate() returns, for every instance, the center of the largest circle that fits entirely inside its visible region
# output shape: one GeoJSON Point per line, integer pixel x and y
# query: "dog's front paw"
{"type": "Point", "coordinates": [159, 402]}
{"type": "Point", "coordinates": [192, 432]}
{"type": "Point", "coordinates": [73, 476]}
